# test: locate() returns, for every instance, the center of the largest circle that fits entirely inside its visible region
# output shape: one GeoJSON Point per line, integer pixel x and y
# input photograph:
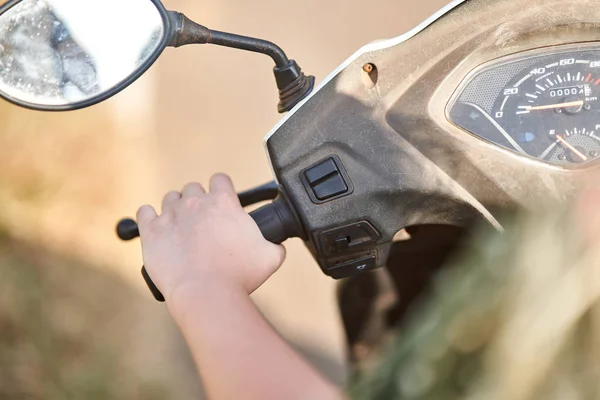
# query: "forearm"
{"type": "Point", "coordinates": [238, 354]}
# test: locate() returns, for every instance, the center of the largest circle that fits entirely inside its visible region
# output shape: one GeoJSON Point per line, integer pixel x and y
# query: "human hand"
{"type": "Point", "coordinates": [205, 239]}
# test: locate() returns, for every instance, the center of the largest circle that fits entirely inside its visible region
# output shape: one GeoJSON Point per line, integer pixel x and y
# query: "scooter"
{"type": "Point", "coordinates": [487, 107]}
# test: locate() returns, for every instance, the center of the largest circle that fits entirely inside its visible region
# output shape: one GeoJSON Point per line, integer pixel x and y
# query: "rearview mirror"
{"type": "Point", "coordinates": [67, 54]}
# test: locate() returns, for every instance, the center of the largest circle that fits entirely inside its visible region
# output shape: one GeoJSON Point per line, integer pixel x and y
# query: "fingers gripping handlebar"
{"type": "Point", "coordinates": [277, 222]}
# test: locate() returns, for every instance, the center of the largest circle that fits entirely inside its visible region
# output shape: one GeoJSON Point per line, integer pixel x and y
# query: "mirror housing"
{"type": "Point", "coordinates": [54, 55]}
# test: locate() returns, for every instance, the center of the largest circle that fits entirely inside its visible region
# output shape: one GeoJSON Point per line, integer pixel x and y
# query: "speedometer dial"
{"type": "Point", "coordinates": [543, 105]}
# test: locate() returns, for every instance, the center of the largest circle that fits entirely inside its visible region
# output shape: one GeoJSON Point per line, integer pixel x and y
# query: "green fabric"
{"type": "Point", "coordinates": [508, 322]}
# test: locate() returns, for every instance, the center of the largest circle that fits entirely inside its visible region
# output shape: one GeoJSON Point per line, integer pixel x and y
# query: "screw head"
{"type": "Point", "coordinates": [368, 68]}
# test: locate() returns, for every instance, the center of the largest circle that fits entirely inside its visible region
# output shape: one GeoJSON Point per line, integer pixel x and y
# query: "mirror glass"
{"type": "Point", "coordinates": [63, 52]}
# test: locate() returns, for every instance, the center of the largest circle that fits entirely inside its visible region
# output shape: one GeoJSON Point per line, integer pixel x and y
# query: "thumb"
{"type": "Point", "coordinates": [277, 254]}
{"type": "Point", "coordinates": [145, 215]}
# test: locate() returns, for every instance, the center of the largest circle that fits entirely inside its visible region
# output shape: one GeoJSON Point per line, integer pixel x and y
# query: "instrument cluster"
{"type": "Point", "coordinates": [542, 104]}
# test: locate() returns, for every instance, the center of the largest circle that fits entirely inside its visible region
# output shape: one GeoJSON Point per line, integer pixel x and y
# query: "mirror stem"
{"type": "Point", "coordinates": [293, 84]}
{"type": "Point", "coordinates": [250, 44]}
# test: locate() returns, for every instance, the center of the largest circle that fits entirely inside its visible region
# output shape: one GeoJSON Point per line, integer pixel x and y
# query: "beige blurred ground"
{"type": "Point", "coordinates": [66, 178]}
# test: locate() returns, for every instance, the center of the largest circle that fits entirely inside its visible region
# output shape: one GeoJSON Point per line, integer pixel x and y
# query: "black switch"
{"type": "Point", "coordinates": [326, 180]}
{"type": "Point", "coordinates": [348, 238]}
{"type": "Point", "coordinates": [321, 171]}
{"type": "Point", "coordinates": [353, 267]}
{"type": "Point", "coordinates": [330, 187]}
{"type": "Point", "coordinates": [342, 243]}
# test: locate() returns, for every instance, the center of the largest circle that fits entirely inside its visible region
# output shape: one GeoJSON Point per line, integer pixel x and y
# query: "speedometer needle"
{"type": "Point", "coordinates": [573, 149]}
{"type": "Point", "coordinates": [579, 103]}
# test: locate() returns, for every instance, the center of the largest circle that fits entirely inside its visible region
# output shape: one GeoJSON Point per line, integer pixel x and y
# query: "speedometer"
{"type": "Point", "coordinates": [542, 104]}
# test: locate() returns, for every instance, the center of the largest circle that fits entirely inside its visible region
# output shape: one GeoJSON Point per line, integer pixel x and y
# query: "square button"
{"type": "Point", "coordinates": [321, 171]}
{"type": "Point", "coordinates": [331, 187]}
{"type": "Point", "coordinates": [326, 180]}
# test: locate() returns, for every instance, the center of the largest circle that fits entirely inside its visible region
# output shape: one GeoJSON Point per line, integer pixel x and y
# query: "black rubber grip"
{"type": "Point", "coordinates": [127, 229]}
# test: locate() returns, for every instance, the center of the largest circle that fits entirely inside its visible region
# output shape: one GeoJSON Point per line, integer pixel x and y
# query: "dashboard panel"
{"type": "Point", "coordinates": [541, 104]}
{"type": "Point", "coordinates": [415, 151]}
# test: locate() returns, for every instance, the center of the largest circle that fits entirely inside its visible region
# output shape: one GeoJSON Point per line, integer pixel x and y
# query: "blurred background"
{"type": "Point", "coordinates": [76, 320]}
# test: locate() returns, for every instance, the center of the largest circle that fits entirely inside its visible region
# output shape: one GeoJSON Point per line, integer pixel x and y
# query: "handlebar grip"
{"type": "Point", "coordinates": [276, 221]}
{"type": "Point", "coordinates": [127, 229]}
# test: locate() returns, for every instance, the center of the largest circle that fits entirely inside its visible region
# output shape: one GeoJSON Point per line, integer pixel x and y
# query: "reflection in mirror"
{"type": "Point", "coordinates": [61, 52]}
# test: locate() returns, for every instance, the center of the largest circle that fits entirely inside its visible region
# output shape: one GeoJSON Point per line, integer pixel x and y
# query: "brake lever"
{"type": "Point", "coordinates": [266, 192]}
